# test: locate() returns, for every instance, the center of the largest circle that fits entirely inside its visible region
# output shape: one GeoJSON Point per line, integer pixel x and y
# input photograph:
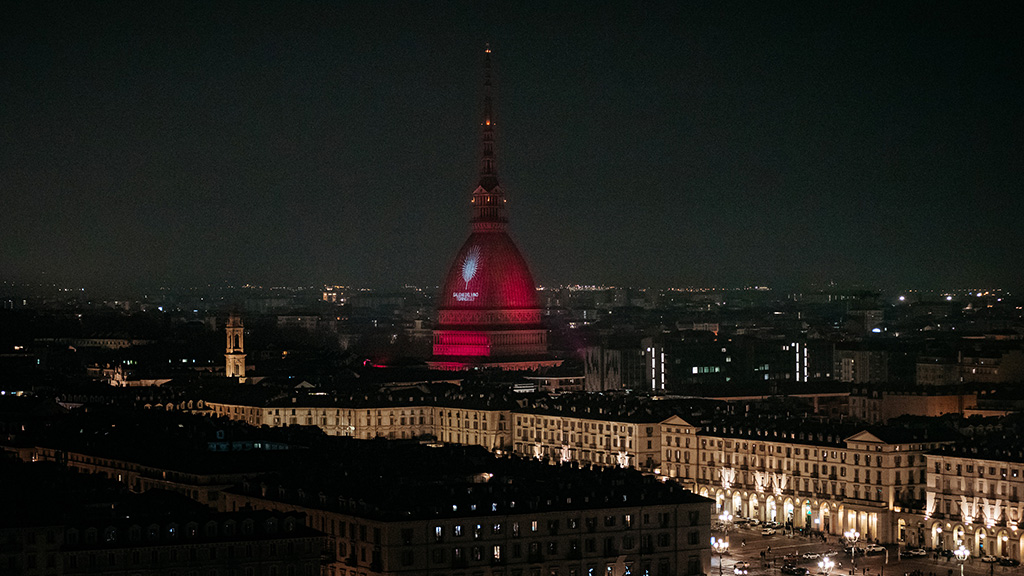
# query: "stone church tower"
{"type": "Point", "coordinates": [234, 355]}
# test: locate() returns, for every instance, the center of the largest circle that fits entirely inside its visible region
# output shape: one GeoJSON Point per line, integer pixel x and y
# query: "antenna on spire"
{"type": "Point", "coordinates": [488, 170]}
{"type": "Point", "coordinates": [488, 199]}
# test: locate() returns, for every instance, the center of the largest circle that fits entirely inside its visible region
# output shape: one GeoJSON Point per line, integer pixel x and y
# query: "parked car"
{"type": "Point", "coordinates": [874, 549]}
{"type": "Point", "coordinates": [831, 553]}
{"type": "Point", "coordinates": [794, 570]}
{"type": "Point", "coordinates": [913, 552]}
{"type": "Point", "coordinates": [755, 522]}
{"type": "Point", "coordinates": [810, 555]}
{"type": "Point", "coordinates": [1005, 561]}
{"type": "Point", "coordinates": [988, 559]}
{"type": "Point", "coordinates": [767, 531]}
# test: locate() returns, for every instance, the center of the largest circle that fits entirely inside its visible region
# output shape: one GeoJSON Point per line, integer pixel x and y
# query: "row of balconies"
{"type": "Point", "coordinates": [993, 493]}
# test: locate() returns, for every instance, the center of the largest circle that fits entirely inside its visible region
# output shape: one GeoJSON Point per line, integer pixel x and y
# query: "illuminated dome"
{"type": "Point", "coordinates": [489, 273]}
{"type": "Point", "coordinates": [487, 313]}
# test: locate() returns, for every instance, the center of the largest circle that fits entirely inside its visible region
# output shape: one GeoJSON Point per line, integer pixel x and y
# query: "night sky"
{"type": "Point", "coordinates": [677, 144]}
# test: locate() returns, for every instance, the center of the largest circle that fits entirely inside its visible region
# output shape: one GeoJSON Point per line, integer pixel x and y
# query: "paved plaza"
{"type": "Point", "coordinates": [747, 544]}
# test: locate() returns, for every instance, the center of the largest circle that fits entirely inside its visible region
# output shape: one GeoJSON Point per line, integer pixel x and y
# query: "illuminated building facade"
{"type": "Point", "coordinates": [974, 499]}
{"type": "Point", "coordinates": [488, 311]}
{"type": "Point", "coordinates": [891, 484]}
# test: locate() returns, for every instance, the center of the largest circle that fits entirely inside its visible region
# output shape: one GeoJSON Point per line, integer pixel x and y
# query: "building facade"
{"type": "Point", "coordinates": [881, 481]}
{"type": "Point", "coordinates": [974, 498]}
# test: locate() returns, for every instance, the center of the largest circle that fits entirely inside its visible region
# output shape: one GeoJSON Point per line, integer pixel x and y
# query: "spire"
{"type": "Point", "coordinates": [488, 198]}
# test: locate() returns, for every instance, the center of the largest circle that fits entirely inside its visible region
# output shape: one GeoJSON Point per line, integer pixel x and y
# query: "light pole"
{"type": "Point", "coordinates": [852, 536]}
{"type": "Point", "coordinates": [725, 518]}
{"type": "Point", "coordinates": [961, 554]}
{"type": "Point", "coordinates": [721, 546]}
{"type": "Point", "coordinates": [826, 565]}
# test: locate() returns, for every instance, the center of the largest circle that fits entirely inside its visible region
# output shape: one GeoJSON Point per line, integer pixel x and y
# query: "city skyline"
{"type": "Point", "coordinates": [646, 146]}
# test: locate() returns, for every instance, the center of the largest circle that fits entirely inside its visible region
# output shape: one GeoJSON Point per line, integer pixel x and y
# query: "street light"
{"type": "Point", "coordinates": [725, 518]}
{"type": "Point", "coordinates": [721, 546]}
{"type": "Point", "coordinates": [826, 565]}
{"type": "Point", "coordinates": [961, 554]}
{"type": "Point", "coordinates": [852, 536]}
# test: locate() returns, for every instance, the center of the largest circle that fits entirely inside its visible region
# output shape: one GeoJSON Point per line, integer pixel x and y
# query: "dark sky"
{"type": "Point", "coordinates": [675, 144]}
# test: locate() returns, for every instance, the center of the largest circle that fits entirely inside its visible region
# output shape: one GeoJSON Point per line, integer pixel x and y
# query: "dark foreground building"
{"type": "Point", "coordinates": [488, 311]}
{"type": "Point", "coordinates": [412, 509]}
{"type": "Point", "coordinates": [55, 522]}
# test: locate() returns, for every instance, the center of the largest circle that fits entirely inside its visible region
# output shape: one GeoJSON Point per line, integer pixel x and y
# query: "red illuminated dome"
{"type": "Point", "coordinates": [488, 314]}
{"type": "Point", "coordinates": [489, 273]}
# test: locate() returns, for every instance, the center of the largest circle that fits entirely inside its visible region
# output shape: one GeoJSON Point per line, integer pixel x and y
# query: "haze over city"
{"type": "Point", "coordinates": [654, 144]}
{"type": "Point", "coordinates": [510, 289]}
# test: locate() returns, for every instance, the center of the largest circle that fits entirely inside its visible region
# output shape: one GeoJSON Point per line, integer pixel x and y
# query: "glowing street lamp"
{"type": "Point", "coordinates": [852, 536]}
{"type": "Point", "coordinates": [826, 565]}
{"type": "Point", "coordinates": [721, 546]}
{"type": "Point", "coordinates": [725, 518]}
{"type": "Point", "coordinates": [961, 554]}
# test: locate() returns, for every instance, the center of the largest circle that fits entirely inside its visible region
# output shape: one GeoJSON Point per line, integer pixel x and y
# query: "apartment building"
{"type": "Point", "coordinates": [974, 498]}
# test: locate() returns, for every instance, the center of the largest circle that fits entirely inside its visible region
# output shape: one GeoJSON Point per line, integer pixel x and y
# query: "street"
{"type": "Point", "coordinates": [785, 549]}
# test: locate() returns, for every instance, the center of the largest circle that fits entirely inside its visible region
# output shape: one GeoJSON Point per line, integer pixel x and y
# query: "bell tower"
{"type": "Point", "coordinates": [234, 356]}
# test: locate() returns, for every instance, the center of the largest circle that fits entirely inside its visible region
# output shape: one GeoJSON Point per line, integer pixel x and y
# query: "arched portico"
{"type": "Point", "coordinates": [806, 518]}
